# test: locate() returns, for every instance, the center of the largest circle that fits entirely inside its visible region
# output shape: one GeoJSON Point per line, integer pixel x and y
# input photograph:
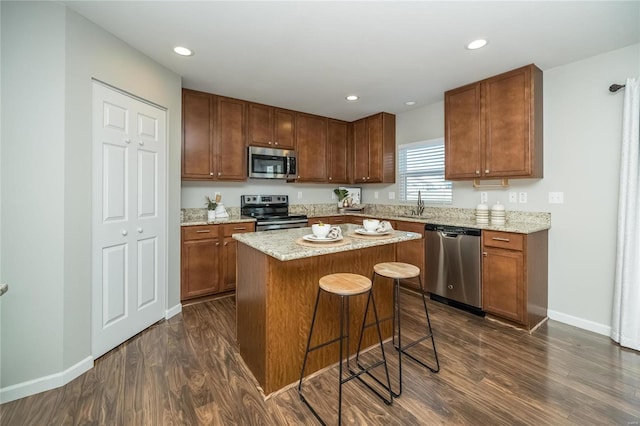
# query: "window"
{"type": "Point", "coordinates": [421, 168]}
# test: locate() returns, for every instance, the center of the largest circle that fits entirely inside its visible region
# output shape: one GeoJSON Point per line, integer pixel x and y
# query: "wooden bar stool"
{"type": "Point", "coordinates": [400, 271]}
{"type": "Point", "coordinates": [344, 285]}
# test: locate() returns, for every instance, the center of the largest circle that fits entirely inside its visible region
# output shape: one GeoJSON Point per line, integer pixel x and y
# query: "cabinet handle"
{"type": "Point", "coordinates": [219, 173]}
{"type": "Point", "coordinates": [276, 143]}
{"type": "Point", "coordinates": [477, 172]}
{"type": "Point", "coordinates": [269, 142]}
{"type": "Point", "coordinates": [217, 244]}
{"type": "Point", "coordinates": [124, 232]}
{"type": "Point", "coordinates": [506, 240]}
{"type": "Point", "coordinates": [202, 231]}
{"type": "Point", "coordinates": [211, 174]}
{"type": "Point", "coordinates": [140, 230]}
{"type": "Point", "coordinates": [486, 171]}
{"type": "Point", "coordinates": [484, 253]}
{"type": "Point", "coordinates": [226, 243]}
{"type": "Point", "coordinates": [329, 177]}
{"type": "Point", "coordinates": [240, 229]}
{"type": "Point", "coordinates": [127, 141]}
{"type": "Point", "coordinates": [140, 143]}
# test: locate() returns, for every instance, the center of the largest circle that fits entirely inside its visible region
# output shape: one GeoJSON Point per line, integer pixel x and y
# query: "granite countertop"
{"type": "Point", "coordinates": [281, 244]}
{"type": "Point", "coordinates": [233, 218]}
{"type": "Point", "coordinates": [518, 227]}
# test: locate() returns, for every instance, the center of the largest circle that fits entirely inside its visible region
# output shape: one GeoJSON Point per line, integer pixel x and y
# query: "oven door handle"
{"type": "Point", "coordinates": [282, 222]}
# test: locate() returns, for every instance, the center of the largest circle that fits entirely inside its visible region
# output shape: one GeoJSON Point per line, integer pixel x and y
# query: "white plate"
{"type": "Point", "coordinates": [315, 239]}
{"type": "Point", "coordinates": [363, 231]}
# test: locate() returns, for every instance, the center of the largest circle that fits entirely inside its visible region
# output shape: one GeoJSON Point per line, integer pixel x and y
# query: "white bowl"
{"type": "Point", "coordinates": [320, 231]}
{"type": "Point", "coordinates": [370, 224]}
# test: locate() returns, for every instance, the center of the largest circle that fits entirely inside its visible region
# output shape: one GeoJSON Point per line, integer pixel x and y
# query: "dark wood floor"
{"type": "Point", "coordinates": [187, 371]}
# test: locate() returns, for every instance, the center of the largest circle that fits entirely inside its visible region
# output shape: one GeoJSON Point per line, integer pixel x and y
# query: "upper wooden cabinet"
{"type": "Point", "coordinates": [311, 140]}
{"type": "Point", "coordinates": [493, 128]}
{"type": "Point", "coordinates": [216, 131]}
{"type": "Point", "coordinates": [271, 127]}
{"type": "Point", "coordinates": [213, 137]}
{"type": "Point", "coordinates": [374, 140]}
{"type": "Point", "coordinates": [339, 153]}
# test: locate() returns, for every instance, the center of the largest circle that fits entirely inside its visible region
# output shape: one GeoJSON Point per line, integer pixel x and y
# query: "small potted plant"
{"type": "Point", "coordinates": [342, 196]}
{"type": "Point", "coordinates": [211, 208]}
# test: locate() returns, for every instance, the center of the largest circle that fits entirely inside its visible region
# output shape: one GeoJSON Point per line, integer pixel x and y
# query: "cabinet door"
{"type": "Point", "coordinates": [375, 134]}
{"type": "Point", "coordinates": [360, 150]}
{"type": "Point", "coordinates": [503, 283]}
{"type": "Point", "coordinates": [231, 155]}
{"type": "Point", "coordinates": [229, 264]}
{"type": "Point", "coordinates": [197, 140]}
{"type": "Point", "coordinates": [311, 141]}
{"type": "Point", "coordinates": [463, 132]}
{"type": "Point", "coordinates": [507, 117]}
{"type": "Point", "coordinates": [260, 125]}
{"type": "Point", "coordinates": [338, 146]}
{"type": "Point", "coordinates": [284, 128]}
{"type": "Point", "coordinates": [411, 252]}
{"type": "Point", "coordinates": [200, 268]}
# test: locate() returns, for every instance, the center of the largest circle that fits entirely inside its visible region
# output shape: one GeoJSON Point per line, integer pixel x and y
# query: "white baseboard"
{"type": "Point", "coordinates": [605, 330]}
{"type": "Point", "coordinates": [173, 311]}
{"type": "Point", "coordinates": [41, 384]}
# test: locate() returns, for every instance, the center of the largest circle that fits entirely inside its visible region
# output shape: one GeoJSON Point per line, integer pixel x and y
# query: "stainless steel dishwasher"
{"type": "Point", "coordinates": [453, 266]}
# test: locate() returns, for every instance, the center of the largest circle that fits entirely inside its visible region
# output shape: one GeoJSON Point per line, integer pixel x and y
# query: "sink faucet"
{"type": "Point", "coordinates": [420, 207]}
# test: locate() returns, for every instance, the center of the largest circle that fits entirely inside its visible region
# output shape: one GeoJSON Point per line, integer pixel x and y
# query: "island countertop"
{"type": "Point", "coordinates": [281, 244]}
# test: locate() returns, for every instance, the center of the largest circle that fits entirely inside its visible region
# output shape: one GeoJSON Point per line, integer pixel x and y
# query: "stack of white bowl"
{"type": "Point", "coordinates": [498, 215]}
{"type": "Point", "coordinates": [482, 214]}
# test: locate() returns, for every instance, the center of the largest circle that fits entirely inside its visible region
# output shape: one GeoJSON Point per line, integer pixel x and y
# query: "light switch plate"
{"type": "Point", "coordinates": [375, 195]}
{"type": "Point", "coordinates": [484, 197]}
{"type": "Point", "coordinates": [392, 195]}
{"type": "Point", "coordinates": [299, 195]}
{"type": "Point", "coordinates": [522, 197]}
{"type": "Point", "coordinates": [513, 197]}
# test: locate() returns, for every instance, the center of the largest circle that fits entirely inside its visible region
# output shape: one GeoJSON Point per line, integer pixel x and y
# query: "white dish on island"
{"type": "Point", "coordinates": [363, 231]}
{"type": "Point", "coordinates": [315, 239]}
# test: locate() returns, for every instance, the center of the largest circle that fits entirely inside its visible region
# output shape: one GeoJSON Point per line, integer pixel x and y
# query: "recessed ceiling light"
{"type": "Point", "coordinates": [410, 103]}
{"type": "Point", "coordinates": [352, 98]}
{"type": "Point", "coordinates": [182, 51]}
{"type": "Point", "coordinates": [477, 44]}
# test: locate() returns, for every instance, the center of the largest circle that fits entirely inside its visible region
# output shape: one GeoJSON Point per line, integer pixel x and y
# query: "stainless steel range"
{"type": "Point", "coordinates": [271, 212]}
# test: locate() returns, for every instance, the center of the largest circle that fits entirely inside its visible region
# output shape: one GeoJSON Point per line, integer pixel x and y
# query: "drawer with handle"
{"type": "Point", "coordinates": [505, 240]}
{"type": "Point", "coordinates": [238, 228]}
{"type": "Point", "coordinates": [200, 232]}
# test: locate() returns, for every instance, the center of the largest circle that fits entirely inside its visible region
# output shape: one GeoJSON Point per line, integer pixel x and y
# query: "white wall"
{"type": "Point", "coordinates": [582, 131]}
{"type": "Point", "coordinates": [49, 55]}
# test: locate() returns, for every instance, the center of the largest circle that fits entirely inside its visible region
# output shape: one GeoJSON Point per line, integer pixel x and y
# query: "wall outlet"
{"type": "Point", "coordinates": [484, 197]}
{"type": "Point", "coordinates": [392, 195]}
{"type": "Point", "coordinates": [522, 197]}
{"type": "Point", "coordinates": [513, 197]}
{"type": "Point", "coordinates": [556, 197]}
{"type": "Point", "coordinates": [299, 195]}
{"type": "Point", "coordinates": [375, 195]}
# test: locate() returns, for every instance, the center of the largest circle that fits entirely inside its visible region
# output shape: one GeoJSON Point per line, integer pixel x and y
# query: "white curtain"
{"type": "Point", "coordinates": [625, 327]}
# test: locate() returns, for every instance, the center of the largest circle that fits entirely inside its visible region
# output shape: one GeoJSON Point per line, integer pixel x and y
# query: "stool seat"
{"type": "Point", "coordinates": [344, 284]}
{"type": "Point", "coordinates": [397, 270]}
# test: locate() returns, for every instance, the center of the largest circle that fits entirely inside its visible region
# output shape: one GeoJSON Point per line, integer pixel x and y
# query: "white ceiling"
{"type": "Point", "coordinates": [308, 56]}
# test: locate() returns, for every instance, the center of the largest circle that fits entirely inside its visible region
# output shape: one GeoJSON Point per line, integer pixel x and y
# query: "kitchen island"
{"type": "Point", "coordinates": [277, 284]}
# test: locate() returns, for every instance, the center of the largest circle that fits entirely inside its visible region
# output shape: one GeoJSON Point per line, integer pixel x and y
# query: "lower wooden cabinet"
{"type": "Point", "coordinates": [411, 252]}
{"type": "Point", "coordinates": [335, 220]}
{"type": "Point", "coordinates": [208, 259]}
{"type": "Point", "coordinates": [514, 276]}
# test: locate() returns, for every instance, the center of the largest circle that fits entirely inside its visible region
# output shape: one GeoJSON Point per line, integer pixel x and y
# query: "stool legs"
{"type": "Point", "coordinates": [397, 331]}
{"type": "Point", "coordinates": [344, 335]}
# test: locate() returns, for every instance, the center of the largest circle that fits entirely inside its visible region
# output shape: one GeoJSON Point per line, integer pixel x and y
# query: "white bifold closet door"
{"type": "Point", "coordinates": [129, 217]}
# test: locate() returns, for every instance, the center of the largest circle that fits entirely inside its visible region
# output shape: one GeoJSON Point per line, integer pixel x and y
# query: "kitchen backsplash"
{"type": "Point", "coordinates": [327, 209]}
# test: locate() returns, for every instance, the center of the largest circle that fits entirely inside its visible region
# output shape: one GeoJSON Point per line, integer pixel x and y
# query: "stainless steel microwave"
{"type": "Point", "coordinates": [270, 163]}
